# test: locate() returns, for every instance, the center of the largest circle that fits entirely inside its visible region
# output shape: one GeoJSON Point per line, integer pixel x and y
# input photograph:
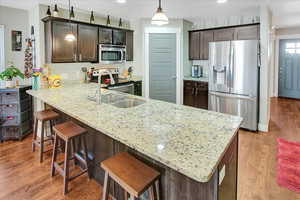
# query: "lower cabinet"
{"type": "Point", "coordinates": [196, 94]}
{"type": "Point", "coordinates": [138, 91]}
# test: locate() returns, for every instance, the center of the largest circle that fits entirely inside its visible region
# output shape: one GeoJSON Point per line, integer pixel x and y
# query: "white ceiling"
{"type": "Point", "coordinates": [187, 9]}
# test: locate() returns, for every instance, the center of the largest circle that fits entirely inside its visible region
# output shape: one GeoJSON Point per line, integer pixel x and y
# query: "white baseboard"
{"type": "Point", "coordinates": [263, 127]}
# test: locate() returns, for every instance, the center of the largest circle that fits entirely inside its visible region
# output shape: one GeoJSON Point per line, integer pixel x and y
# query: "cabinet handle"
{"type": "Point", "coordinates": [75, 57]}
{"type": "Point", "coordinates": [193, 91]}
{"type": "Point", "coordinates": [80, 57]}
{"type": "Point", "coordinates": [196, 91]}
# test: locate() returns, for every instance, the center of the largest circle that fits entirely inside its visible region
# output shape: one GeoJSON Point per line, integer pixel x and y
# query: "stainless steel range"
{"type": "Point", "coordinates": [233, 79]}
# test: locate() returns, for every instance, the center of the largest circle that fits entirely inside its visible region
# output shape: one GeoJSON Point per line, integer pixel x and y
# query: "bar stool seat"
{"type": "Point", "coordinates": [132, 175]}
{"type": "Point", "coordinates": [43, 117]}
{"type": "Point", "coordinates": [46, 115]}
{"type": "Point", "coordinates": [69, 132]}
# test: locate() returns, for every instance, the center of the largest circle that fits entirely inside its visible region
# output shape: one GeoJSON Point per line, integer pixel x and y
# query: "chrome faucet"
{"type": "Point", "coordinates": [112, 81]}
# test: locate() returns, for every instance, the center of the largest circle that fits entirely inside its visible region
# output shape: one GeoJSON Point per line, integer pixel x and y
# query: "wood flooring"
{"type": "Point", "coordinates": [22, 177]}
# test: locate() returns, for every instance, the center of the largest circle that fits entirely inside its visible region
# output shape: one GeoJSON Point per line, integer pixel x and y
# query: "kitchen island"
{"type": "Point", "coordinates": [195, 150]}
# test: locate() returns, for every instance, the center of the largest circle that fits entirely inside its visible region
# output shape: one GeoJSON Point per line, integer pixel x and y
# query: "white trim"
{"type": "Point", "coordinates": [2, 50]}
{"type": "Point", "coordinates": [263, 127]}
{"type": "Point", "coordinates": [276, 72]}
{"type": "Point", "coordinates": [149, 30]}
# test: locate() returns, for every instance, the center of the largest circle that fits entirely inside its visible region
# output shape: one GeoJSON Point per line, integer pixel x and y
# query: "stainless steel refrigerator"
{"type": "Point", "coordinates": [234, 79]}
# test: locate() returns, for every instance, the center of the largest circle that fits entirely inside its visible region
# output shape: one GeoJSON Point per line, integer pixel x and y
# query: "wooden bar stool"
{"type": "Point", "coordinates": [132, 175]}
{"type": "Point", "coordinates": [68, 132]}
{"type": "Point", "coordinates": [43, 117]}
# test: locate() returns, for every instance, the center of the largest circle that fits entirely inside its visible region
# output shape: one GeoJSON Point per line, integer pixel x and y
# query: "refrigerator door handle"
{"type": "Point", "coordinates": [218, 70]}
{"type": "Point", "coordinates": [235, 96]}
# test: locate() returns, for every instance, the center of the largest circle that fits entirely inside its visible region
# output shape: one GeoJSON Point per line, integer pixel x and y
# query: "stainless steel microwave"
{"type": "Point", "coordinates": [112, 54]}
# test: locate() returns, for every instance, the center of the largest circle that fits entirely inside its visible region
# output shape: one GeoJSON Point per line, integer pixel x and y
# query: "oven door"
{"type": "Point", "coordinates": [111, 55]}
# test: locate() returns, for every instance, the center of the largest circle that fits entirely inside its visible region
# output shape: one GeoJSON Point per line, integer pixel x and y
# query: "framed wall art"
{"type": "Point", "coordinates": [16, 40]}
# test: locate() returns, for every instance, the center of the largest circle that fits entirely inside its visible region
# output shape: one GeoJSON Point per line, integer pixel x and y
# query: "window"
{"type": "Point", "coordinates": [292, 48]}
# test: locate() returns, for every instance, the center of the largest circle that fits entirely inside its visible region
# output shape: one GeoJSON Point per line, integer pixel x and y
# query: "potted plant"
{"type": "Point", "coordinates": [8, 74]}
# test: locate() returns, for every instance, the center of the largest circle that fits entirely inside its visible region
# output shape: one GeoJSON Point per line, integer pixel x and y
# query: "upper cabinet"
{"type": "Point", "coordinates": [87, 43]}
{"type": "Point", "coordinates": [88, 37]}
{"type": "Point", "coordinates": [199, 39]}
{"type": "Point", "coordinates": [119, 37]}
{"type": "Point", "coordinates": [223, 34]}
{"type": "Point", "coordinates": [247, 33]}
{"type": "Point", "coordinates": [59, 50]}
{"type": "Point", "coordinates": [105, 36]}
{"type": "Point", "coordinates": [194, 45]}
{"type": "Point", "coordinates": [129, 45]}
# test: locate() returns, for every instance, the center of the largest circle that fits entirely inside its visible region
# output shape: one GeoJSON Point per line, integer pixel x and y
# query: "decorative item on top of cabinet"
{"type": "Point", "coordinates": [129, 45]}
{"type": "Point", "coordinates": [105, 36]}
{"type": "Point", "coordinates": [196, 94]}
{"type": "Point", "coordinates": [87, 43]}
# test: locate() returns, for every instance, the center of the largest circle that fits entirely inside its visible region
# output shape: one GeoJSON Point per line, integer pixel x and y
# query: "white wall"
{"type": "Point", "coordinates": [14, 19]}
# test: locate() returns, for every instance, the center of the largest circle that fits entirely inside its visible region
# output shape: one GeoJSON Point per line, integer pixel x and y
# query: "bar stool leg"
{"type": "Point", "coordinates": [153, 192]}
{"type": "Point", "coordinates": [51, 130]}
{"type": "Point", "coordinates": [126, 196]}
{"type": "Point", "coordinates": [86, 155]}
{"type": "Point", "coordinates": [42, 142]}
{"type": "Point", "coordinates": [66, 168]}
{"type": "Point", "coordinates": [34, 134]}
{"type": "Point", "coordinates": [54, 156]}
{"type": "Point", "coordinates": [105, 192]}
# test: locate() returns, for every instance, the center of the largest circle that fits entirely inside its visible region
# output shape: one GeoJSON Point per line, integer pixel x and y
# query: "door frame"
{"type": "Point", "coordinates": [177, 31]}
{"type": "Point", "coordinates": [276, 67]}
{"type": "Point", "coordinates": [2, 48]}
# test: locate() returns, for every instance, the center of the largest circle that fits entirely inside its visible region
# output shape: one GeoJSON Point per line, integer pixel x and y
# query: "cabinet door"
{"type": "Point", "coordinates": [224, 34]}
{"type": "Point", "coordinates": [189, 89]}
{"type": "Point", "coordinates": [105, 35]}
{"type": "Point", "coordinates": [87, 43]}
{"type": "Point", "coordinates": [206, 38]}
{"type": "Point", "coordinates": [194, 45]}
{"type": "Point", "coordinates": [119, 37]}
{"type": "Point", "coordinates": [129, 45]}
{"type": "Point", "coordinates": [201, 95]}
{"type": "Point", "coordinates": [247, 33]}
{"type": "Point", "coordinates": [63, 50]}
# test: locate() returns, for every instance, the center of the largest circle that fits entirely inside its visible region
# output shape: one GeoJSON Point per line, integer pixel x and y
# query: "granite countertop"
{"type": "Point", "coordinates": [188, 140]}
{"type": "Point", "coordinates": [202, 79]}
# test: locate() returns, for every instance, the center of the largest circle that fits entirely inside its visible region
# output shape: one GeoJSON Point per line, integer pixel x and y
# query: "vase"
{"type": "Point", "coordinates": [10, 84]}
{"type": "Point", "coordinates": [35, 82]}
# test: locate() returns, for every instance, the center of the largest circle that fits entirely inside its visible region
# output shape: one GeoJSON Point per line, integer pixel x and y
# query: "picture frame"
{"type": "Point", "coordinates": [16, 40]}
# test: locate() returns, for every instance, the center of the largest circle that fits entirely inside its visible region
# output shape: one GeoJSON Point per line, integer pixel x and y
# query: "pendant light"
{"type": "Point", "coordinates": [159, 17]}
{"type": "Point", "coordinates": [92, 18]}
{"type": "Point", "coordinates": [48, 11]}
{"type": "Point", "coordinates": [70, 36]}
{"type": "Point", "coordinates": [55, 11]}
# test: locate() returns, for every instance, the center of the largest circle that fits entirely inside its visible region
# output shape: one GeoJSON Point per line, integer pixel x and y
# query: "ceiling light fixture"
{"type": "Point", "coordinates": [121, 1]}
{"type": "Point", "coordinates": [221, 1]}
{"type": "Point", "coordinates": [70, 36]}
{"type": "Point", "coordinates": [55, 11]}
{"type": "Point", "coordinates": [159, 17]}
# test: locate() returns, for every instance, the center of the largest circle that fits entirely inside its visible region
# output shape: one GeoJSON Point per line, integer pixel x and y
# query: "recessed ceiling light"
{"type": "Point", "coordinates": [121, 1]}
{"type": "Point", "coordinates": [221, 1]}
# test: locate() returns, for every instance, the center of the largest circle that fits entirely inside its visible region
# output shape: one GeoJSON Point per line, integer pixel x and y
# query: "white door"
{"type": "Point", "coordinates": [162, 66]}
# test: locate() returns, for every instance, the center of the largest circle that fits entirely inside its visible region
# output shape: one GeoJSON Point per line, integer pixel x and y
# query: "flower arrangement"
{"type": "Point", "coordinates": [36, 73]}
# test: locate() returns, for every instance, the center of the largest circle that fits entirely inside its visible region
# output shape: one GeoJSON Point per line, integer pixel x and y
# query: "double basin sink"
{"type": "Point", "coordinates": [119, 100]}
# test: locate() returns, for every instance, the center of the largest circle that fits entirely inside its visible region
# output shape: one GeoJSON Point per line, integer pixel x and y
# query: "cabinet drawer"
{"type": "Point", "coordinates": [15, 132]}
{"type": "Point", "coordinates": [9, 109]}
{"type": "Point", "coordinates": [9, 97]}
{"type": "Point", "coordinates": [15, 120]}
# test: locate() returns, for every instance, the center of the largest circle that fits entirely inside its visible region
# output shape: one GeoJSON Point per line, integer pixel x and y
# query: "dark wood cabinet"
{"type": "Point", "coordinates": [87, 43]}
{"type": "Point", "coordinates": [194, 45]}
{"type": "Point", "coordinates": [60, 50]}
{"type": "Point", "coordinates": [206, 38]}
{"type": "Point", "coordinates": [129, 45]}
{"type": "Point", "coordinates": [199, 39]}
{"type": "Point", "coordinates": [196, 94]}
{"type": "Point", "coordinates": [105, 36]}
{"type": "Point", "coordinates": [225, 34]}
{"type": "Point", "coordinates": [247, 33]}
{"type": "Point", "coordinates": [138, 88]}
{"type": "Point", "coordinates": [119, 37]}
